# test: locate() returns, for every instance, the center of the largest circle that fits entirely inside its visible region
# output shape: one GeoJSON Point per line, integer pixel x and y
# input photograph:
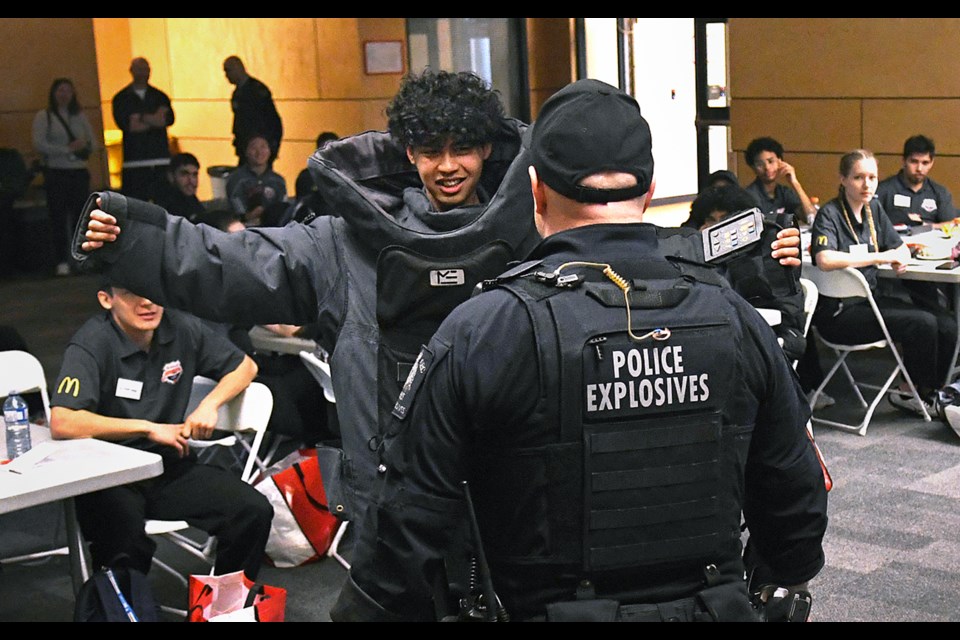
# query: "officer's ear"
{"type": "Point", "coordinates": [539, 198]}
{"type": "Point", "coordinates": [649, 197]}
{"type": "Point", "coordinates": [105, 298]}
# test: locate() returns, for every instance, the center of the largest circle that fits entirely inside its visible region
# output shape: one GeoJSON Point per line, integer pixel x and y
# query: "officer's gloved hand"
{"type": "Point", "coordinates": [785, 604]}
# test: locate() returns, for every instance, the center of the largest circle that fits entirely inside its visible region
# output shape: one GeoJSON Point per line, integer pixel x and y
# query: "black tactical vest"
{"type": "Point", "coordinates": [636, 478]}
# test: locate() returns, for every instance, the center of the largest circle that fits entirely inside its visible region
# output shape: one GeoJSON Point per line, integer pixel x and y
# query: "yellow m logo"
{"type": "Point", "coordinates": [69, 385]}
{"type": "Point", "coordinates": [821, 241]}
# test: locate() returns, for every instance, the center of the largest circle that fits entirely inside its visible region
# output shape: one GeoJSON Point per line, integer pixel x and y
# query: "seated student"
{"type": "Point", "coordinates": [722, 178]}
{"type": "Point", "coordinates": [765, 157]}
{"type": "Point", "coordinates": [910, 196]}
{"type": "Point", "coordinates": [180, 195]}
{"type": "Point", "coordinates": [254, 189]}
{"type": "Point", "coordinates": [308, 203]}
{"type": "Point", "coordinates": [126, 377]}
{"type": "Point", "coordinates": [852, 230]}
{"type": "Point", "coordinates": [712, 205]}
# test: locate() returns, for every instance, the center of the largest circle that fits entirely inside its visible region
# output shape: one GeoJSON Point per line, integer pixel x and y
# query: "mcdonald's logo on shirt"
{"type": "Point", "coordinates": [69, 385]}
{"type": "Point", "coordinates": [821, 241]}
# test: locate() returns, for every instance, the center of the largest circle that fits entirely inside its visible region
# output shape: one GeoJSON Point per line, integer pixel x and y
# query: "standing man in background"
{"type": "Point", "coordinates": [253, 110]}
{"type": "Point", "coordinates": [143, 113]}
{"type": "Point", "coordinates": [910, 197]}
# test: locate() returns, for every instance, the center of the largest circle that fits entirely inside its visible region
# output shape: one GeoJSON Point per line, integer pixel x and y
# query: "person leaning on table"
{"type": "Point", "coordinates": [852, 230]}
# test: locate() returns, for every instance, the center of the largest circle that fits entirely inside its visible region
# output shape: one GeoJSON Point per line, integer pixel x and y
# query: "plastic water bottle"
{"type": "Point", "coordinates": [16, 415]}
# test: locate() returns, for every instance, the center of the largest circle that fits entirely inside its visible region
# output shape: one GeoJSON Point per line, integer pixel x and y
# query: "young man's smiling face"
{"type": "Point", "coordinates": [450, 174]}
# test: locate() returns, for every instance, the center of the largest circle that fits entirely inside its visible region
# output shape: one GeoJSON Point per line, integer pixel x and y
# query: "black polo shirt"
{"type": "Point", "coordinates": [932, 202]}
{"type": "Point", "coordinates": [831, 231]}
{"type": "Point", "coordinates": [784, 200]}
{"type": "Point", "coordinates": [105, 373]}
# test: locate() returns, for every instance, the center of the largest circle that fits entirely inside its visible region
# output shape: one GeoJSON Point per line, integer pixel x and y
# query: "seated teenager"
{"type": "Point", "coordinates": [852, 230]}
{"type": "Point", "coordinates": [126, 377]}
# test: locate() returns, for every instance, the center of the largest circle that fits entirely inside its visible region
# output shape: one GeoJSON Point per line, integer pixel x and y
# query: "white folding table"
{"type": "Point", "coordinates": [59, 470]}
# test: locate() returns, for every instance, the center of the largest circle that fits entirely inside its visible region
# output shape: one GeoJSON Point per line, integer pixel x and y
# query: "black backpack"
{"type": "Point", "coordinates": [99, 601]}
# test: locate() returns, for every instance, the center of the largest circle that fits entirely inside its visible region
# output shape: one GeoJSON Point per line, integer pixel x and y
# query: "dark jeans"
{"type": "Point", "coordinates": [67, 191]}
{"type": "Point", "coordinates": [926, 337]}
{"type": "Point", "coordinates": [144, 183]}
{"type": "Point", "coordinates": [208, 497]}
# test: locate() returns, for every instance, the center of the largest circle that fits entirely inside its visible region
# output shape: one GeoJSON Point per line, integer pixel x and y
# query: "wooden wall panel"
{"type": "Point", "coordinates": [843, 57]}
{"type": "Point", "coordinates": [799, 125]}
{"type": "Point", "coordinates": [888, 123]}
{"type": "Point", "coordinates": [550, 53]}
{"type": "Point", "coordinates": [340, 46]}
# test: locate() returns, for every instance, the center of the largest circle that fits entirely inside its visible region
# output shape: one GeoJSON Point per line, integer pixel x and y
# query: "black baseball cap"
{"type": "Point", "coordinates": [588, 127]}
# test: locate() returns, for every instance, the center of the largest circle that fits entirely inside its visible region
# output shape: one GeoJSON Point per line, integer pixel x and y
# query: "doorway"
{"type": "Point", "coordinates": [676, 68]}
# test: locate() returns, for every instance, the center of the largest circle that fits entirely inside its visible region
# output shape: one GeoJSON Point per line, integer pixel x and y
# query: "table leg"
{"type": "Point", "coordinates": [79, 566]}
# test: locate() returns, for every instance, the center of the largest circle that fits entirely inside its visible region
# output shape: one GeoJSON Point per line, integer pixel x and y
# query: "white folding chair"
{"type": "Point", "coordinates": [850, 283]}
{"type": "Point", "coordinates": [811, 294]}
{"type": "Point", "coordinates": [246, 416]}
{"type": "Point", "coordinates": [21, 371]}
{"type": "Point", "coordinates": [319, 368]}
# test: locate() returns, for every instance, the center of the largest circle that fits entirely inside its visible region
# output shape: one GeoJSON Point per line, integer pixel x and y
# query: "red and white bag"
{"type": "Point", "coordinates": [303, 527]}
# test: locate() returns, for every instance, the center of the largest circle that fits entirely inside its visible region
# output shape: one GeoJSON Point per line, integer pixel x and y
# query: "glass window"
{"type": "Point", "coordinates": [489, 47]}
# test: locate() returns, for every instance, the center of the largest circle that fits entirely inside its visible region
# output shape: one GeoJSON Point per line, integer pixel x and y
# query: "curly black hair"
{"type": "Point", "coordinates": [436, 106]}
{"type": "Point", "coordinates": [729, 199]}
{"type": "Point", "coordinates": [759, 145]}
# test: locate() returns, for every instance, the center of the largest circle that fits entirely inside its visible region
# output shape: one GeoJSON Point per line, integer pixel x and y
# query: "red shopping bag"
{"type": "Point", "coordinates": [232, 597]}
{"type": "Point", "coordinates": [303, 527]}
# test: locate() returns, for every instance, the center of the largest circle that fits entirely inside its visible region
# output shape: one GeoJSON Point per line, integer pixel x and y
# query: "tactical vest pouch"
{"type": "Point", "coordinates": [414, 294]}
{"type": "Point", "coordinates": [652, 426]}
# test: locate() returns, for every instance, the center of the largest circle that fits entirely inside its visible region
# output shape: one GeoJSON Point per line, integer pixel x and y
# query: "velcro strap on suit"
{"type": "Point", "coordinates": [113, 203]}
{"type": "Point", "coordinates": [120, 207]}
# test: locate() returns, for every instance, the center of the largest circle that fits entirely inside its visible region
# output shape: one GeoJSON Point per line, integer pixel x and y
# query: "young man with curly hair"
{"type": "Point", "coordinates": [379, 275]}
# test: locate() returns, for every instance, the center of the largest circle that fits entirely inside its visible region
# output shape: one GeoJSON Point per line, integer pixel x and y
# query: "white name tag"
{"type": "Point", "coordinates": [859, 250]}
{"type": "Point", "coordinates": [900, 200]}
{"type": "Point", "coordinates": [129, 389]}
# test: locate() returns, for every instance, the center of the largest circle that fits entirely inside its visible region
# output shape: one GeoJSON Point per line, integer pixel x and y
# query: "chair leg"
{"type": "Point", "coordinates": [333, 551]}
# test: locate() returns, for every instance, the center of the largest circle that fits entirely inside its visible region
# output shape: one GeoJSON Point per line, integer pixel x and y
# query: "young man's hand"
{"type": "Point", "coordinates": [101, 228]}
{"type": "Point", "coordinates": [171, 435]}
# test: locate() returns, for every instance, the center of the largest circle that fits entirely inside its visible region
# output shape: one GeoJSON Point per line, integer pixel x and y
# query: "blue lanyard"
{"type": "Point", "coordinates": [123, 601]}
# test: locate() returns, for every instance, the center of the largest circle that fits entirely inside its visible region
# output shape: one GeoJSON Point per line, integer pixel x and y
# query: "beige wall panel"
{"type": "Point", "coordinates": [304, 121]}
{"type": "Point", "coordinates": [278, 51]}
{"type": "Point", "coordinates": [148, 39]}
{"type": "Point", "coordinates": [799, 125]}
{"type": "Point", "coordinates": [794, 57]}
{"type": "Point", "coordinates": [203, 119]}
{"type": "Point", "coordinates": [113, 59]}
{"type": "Point", "coordinates": [888, 123]}
{"type": "Point", "coordinates": [34, 51]}
{"type": "Point", "coordinates": [549, 44]}
{"type": "Point", "coordinates": [341, 69]}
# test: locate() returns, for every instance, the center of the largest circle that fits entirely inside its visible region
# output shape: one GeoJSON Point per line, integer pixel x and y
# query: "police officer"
{"type": "Point", "coordinates": [611, 418]}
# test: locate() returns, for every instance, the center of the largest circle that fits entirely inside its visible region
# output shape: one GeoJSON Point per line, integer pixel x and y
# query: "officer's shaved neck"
{"type": "Point", "coordinates": [554, 212]}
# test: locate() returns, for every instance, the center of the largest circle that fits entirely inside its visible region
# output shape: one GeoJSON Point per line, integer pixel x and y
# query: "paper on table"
{"type": "Point", "coordinates": [31, 459]}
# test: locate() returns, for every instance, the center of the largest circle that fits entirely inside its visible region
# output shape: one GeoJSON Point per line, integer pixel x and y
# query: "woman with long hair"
{"type": "Point", "coordinates": [852, 230]}
{"type": "Point", "coordinates": [62, 135]}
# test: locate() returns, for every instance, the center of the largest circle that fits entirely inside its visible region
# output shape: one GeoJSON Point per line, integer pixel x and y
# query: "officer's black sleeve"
{"type": "Point", "coordinates": [785, 498]}
{"type": "Point", "coordinates": [256, 276]}
{"type": "Point", "coordinates": [479, 370]}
